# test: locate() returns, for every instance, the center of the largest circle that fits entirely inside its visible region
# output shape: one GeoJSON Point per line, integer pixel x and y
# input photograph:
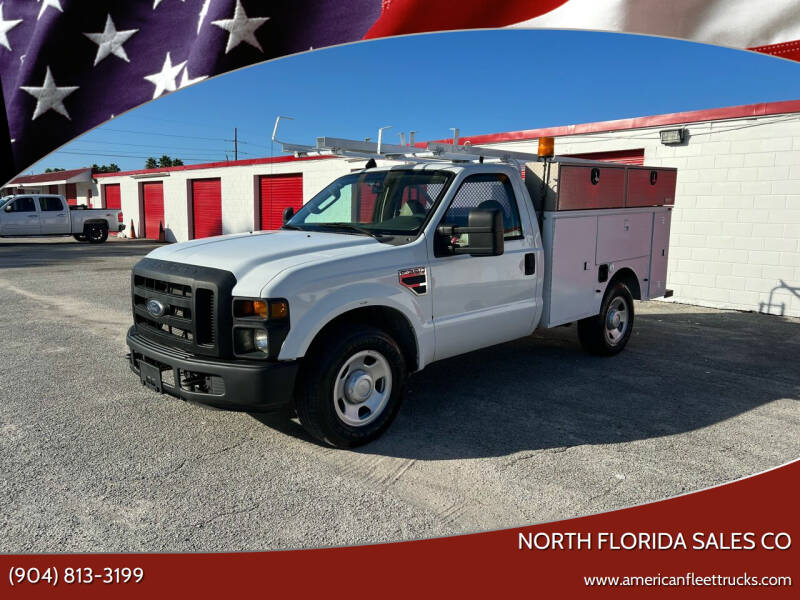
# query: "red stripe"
{"type": "Point", "coordinates": [415, 16]}
{"type": "Point", "coordinates": [790, 50]}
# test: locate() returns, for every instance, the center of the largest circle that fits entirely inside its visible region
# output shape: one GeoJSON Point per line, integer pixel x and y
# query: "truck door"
{"type": "Point", "coordinates": [20, 217]}
{"type": "Point", "coordinates": [53, 216]}
{"type": "Point", "coordinates": [482, 300]}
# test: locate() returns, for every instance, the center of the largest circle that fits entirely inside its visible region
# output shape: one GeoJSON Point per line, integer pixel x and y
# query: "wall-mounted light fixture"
{"type": "Point", "coordinates": [672, 136]}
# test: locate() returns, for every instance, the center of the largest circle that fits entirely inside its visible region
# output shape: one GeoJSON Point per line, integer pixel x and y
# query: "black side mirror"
{"type": "Point", "coordinates": [287, 214]}
{"type": "Point", "coordinates": [485, 229]}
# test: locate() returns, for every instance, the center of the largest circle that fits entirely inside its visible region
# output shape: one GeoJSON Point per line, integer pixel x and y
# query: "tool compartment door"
{"type": "Point", "coordinates": [660, 256]}
{"type": "Point", "coordinates": [623, 236]}
{"type": "Point", "coordinates": [570, 289]}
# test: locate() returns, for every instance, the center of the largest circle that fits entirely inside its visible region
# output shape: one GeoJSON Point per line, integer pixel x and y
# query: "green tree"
{"type": "Point", "coordinates": [110, 168]}
{"type": "Point", "coordinates": [177, 162]}
{"type": "Point", "coordinates": [56, 170]}
{"type": "Point", "coordinates": [164, 161]}
{"type": "Point", "coordinates": [150, 163]}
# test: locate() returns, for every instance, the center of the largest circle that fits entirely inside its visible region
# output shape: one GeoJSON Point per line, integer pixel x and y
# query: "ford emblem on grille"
{"type": "Point", "coordinates": [156, 307]}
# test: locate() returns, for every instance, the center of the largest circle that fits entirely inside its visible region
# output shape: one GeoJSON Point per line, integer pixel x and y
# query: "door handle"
{"type": "Point", "coordinates": [530, 263]}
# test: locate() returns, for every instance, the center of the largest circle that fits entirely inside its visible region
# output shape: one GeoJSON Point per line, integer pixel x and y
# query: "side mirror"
{"type": "Point", "coordinates": [485, 229]}
{"type": "Point", "coordinates": [287, 214]}
{"type": "Point", "coordinates": [8, 208]}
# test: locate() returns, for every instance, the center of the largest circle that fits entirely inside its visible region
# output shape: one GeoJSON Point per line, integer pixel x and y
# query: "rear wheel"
{"type": "Point", "coordinates": [97, 234]}
{"type": "Point", "coordinates": [607, 334]}
{"type": "Point", "coordinates": [351, 386]}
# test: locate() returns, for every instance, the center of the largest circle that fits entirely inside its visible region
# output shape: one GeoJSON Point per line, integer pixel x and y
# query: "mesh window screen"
{"type": "Point", "coordinates": [486, 191]}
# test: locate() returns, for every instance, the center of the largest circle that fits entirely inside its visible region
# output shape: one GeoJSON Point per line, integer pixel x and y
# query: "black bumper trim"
{"type": "Point", "coordinates": [248, 386]}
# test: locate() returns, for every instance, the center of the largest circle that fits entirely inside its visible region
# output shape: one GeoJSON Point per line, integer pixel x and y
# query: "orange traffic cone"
{"type": "Point", "coordinates": [161, 236]}
{"type": "Point", "coordinates": [133, 231]}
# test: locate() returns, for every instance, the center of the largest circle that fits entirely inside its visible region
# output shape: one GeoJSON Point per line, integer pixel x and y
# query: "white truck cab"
{"type": "Point", "coordinates": [391, 268]}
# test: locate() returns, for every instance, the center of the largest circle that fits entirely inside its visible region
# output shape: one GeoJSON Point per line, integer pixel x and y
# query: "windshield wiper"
{"type": "Point", "coordinates": [292, 227]}
{"type": "Point", "coordinates": [350, 227]}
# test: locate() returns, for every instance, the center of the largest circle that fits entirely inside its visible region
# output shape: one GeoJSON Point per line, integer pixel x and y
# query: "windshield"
{"type": "Point", "coordinates": [5, 199]}
{"type": "Point", "coordinates": [395, 202]}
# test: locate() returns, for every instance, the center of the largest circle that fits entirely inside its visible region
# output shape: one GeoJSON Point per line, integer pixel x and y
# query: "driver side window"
{"type": "Point", "coordinates": [487, 191]}
{"type": "Point", "coordinates": [22, 205]}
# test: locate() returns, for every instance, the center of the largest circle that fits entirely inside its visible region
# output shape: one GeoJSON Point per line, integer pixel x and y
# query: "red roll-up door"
{"type": "Point", "coordinates": [278, 192]}
{"type": "Point", "coordinates": [153, 193]}
{"type": "Point", "coordinates": [72, 194]}
{"type": "Point", "coordinates": [206, 207]}
{"type": "Point", "coordinates": [111, 193]}
{"type": "Point", "coordinates": [52, 189]}
{"type": "Point", "coordinates": [625, 157]}
{"type": "Point", "coordinates": [113, 196]}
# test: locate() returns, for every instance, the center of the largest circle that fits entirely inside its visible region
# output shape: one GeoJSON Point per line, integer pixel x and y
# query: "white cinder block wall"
{"type": "Point", "coordinates": [735, 225]}
{"type": "Point", "coordinates": [735, 240]}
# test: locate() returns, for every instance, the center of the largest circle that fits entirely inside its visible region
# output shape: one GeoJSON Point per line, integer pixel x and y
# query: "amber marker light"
{"type": "Point", "coordinates": [547, 147]}
{"type": "Point", "coordinates": [278, 309]}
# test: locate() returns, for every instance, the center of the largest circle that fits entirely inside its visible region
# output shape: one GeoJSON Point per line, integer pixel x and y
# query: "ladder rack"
{"type": "Point", "coordinates": [432, 152]}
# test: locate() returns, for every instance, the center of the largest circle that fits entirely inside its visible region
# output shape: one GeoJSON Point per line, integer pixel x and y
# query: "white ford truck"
{"type": "Point", "coordinates": [48, 214]}
{"type": "Point", "coordinates": [391, 268]}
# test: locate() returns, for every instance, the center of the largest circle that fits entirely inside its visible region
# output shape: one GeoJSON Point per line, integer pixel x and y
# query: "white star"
{"type": "Point", "coordinates": [110, 41]}
{"type": "Point", "coordinates": [186, 81]}
{"type": "Point", "coordinates": [49, 96]}
{"type": "Point", "coordinates": [53, 3]}
{"type": "Point", "coordinates": [203, 13]}
{"type": "Point", "coordinates": [157, 2]}
{"type": "Point", "coordinates": [240, 28]}
{"type": "Point", "coordinates": [5, 27]}
{"type": "Point", "coordinates": [165, 79]}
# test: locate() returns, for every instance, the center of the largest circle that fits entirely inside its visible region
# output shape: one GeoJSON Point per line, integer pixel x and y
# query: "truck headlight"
{"type": "Point", "coordinates": [261, 340]}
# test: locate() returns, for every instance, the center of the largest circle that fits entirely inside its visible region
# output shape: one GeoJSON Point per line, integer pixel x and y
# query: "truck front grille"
{"type": "Point", "coordinates": [192, 312]}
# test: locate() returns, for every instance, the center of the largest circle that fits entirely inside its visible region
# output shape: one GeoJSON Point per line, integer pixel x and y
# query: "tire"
{"type": "Point", "coordinates": [96, 234]}
{"type": "Point", "coordinates": [80, 237]}
{"type": "Point", "coordinates": [608, 333]}
{"type": "Point", "coordinates": [351, 386]}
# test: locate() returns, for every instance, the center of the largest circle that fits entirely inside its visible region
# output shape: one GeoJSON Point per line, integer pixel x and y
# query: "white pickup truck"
{"type": "Point", "coordinates": [391, 268]}
{"type": "Point", "coordinates": [49, 214]}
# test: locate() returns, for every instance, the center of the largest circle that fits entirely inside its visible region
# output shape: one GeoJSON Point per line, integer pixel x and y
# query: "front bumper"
{"type": "Point", "coordinates": [226, 384]}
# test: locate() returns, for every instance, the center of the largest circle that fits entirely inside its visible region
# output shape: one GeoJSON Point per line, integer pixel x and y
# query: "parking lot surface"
{"type": "Point", "coordinates": [530, 431]}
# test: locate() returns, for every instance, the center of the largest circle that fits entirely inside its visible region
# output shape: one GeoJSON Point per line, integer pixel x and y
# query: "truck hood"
{"type": "Point", "coordinates": [264, 254]}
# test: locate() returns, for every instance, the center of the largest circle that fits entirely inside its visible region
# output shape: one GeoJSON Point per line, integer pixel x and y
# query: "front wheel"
{"type": "Point", "coordinates": [351, 386]}
{"type": "Point", "coordinates": [607, 334]}
{"type": "Point", "coordinates": [79, 237]}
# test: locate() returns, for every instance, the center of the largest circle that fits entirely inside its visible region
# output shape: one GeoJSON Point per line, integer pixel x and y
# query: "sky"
{"type": "Point", "coordinates": [478, 81]}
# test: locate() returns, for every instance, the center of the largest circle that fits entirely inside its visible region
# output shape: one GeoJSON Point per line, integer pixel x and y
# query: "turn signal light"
{"type": "Point", "coordinates": [274, 309]}
{"type": "Point", "coordinates": [547, 147]}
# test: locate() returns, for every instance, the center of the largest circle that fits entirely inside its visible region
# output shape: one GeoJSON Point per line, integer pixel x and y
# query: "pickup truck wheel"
{"type": "Point", "coordinates": [80, 237]}
{"type": "Point", "coordinates": [97, 234]}
{"type": "Point", "coordinates": [351, 387]}
{"type": "Point", "coordinates": [607, 333]}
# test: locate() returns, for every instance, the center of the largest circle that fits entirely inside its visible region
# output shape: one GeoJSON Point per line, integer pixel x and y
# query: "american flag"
{"type": "Point", "coordinates": [67, 66]}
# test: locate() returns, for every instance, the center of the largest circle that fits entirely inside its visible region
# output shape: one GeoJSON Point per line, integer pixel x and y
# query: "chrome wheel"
{"type": "Point", "coordinates": [362, 388]}
{"type": "Point", "coordinates": [616, 321]}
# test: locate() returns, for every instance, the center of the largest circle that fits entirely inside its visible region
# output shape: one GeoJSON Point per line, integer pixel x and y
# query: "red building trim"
{"type": "Point", "coordinates": [693, 116]}
{"type": "Point", "coordinates": [226, 163]}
